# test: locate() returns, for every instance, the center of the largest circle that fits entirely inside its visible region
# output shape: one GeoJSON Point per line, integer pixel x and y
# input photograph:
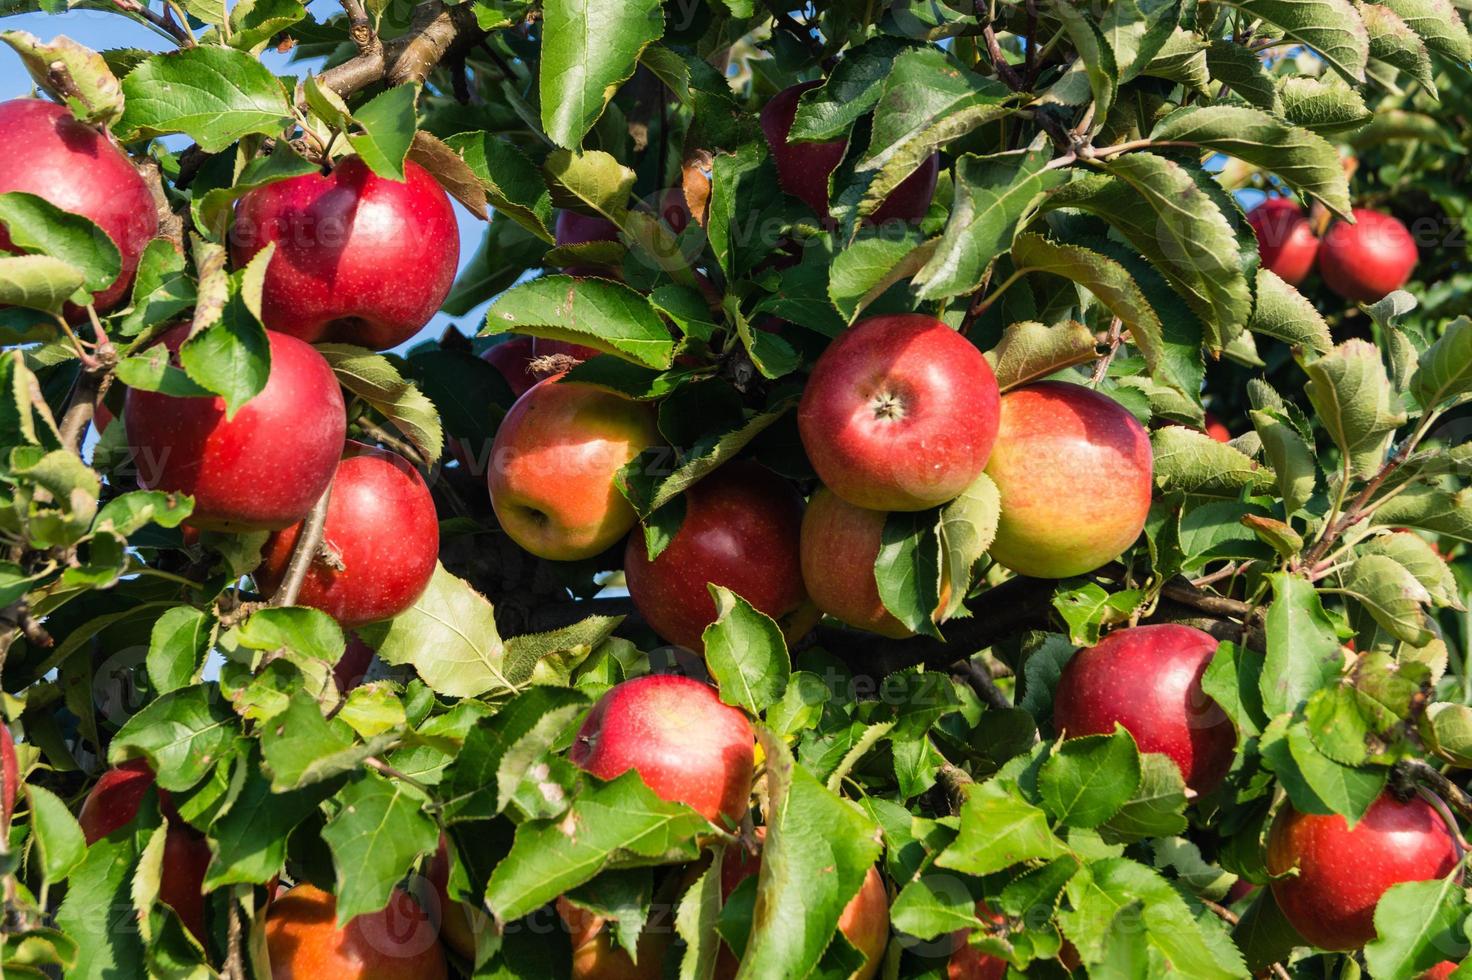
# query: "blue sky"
{"type": "Point", "coordinates": [99, 30]}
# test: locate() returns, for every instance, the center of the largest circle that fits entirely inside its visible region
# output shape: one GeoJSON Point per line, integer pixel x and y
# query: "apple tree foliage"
{"type": "Point", "coordinates": [1089, 224]}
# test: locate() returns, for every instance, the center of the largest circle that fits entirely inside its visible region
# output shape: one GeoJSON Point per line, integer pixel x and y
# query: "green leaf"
{"type": "Point", "coordinates": [933, 905]}
{"type": "Point", "coordinates": [301, 747]}
{"type": "Point", "coordinates": [1445, 369]}
{"type": "Point", "coordinates": [1393, 42]}
{"type": "Point", "coordinates": [1089, 608]}
{"type": "Point", "coordinates": [161, 290]}
{"type": "Point", "coordinates": [1294, 464]}
{"type": "Point", "coordinates": [1330, 27]}
{"type": "Point", "coordinates": [387, 121]}
{"type": "Point", "coordinates": [1419, 924]}
{"type": "Point", "coordinates": [1192, 461]}
{"type": "Point", "coordinates": [376, 380]}
{"type": "Point", "coordinates": [999, 830]}
{"type": "Point", "coordinates": [1447, 729]}
{"type": "Point", "coordinates": [1087, 780]}
{"type": "Point", "coordinates": [38, 282]}
{"type": "Point", "coordinates": [1303, 652]}
{"type": "Point", "coordinates": [182, 734]}
{"type": "Point", "coordinates": [1157, 807]}
{"type": "Point", "coordinates": [214, 209]}
{"type": "Point", "coordinates": [1030, 351]}
{"type": "Point", "coordinates": [615, 824]}
{"type": "Point", "coordinates": [907, 569]}
{"type": "Point", "coordinates": [1437, 511]}
{"type": "Point", "coordinates": [57, 833]}
{"type": "Point", "coordinates": [255, 22]}
{"type": "Point", "coordinates": [1097, 57]}
{"type": "Point", "coordinates": [1422, 560]}
{"type": "Point", "coordinates": [696, 920]}
{"type": "Point", "coordinates": [250, 837]}
{"type": "Point", "coordinates": [93, 95]}
{"type": "Point", "coordinates": [176, 647]}
{"type": "Point", "coordinates": [1243, 70]}
{"type": "Point", "coordinates": [1135, 31]}
{"type": "Point", "coordinates": [745, 652]}
{"type": "Point", "coordinates": [873, 262]}
{"type": "Point", "coordinates": [97, 906]}
{"type": "Point", "coordinates": [377, 834]}
{"type": "Point", "coordinates": [1438, 23]}
{"type": "Point", "coordinates": [309, 632]}
{"type": "Point", "coordinates": [1352, 396]}
{"type": "Point", "coordinates": [232, 358]}
{"type": "Point", "coordinates": [1391, 595]}
{"type": "Point", "coordinates": [213, 95]}
{"type": "Point", "coordinates": [589, 49]}
{"type": "Point", "coordinates": [851, 89]}
{"type": "Point", "coordinates": [513, 184]}
{"type": "Point", "coordinates": [607, 316]}
{"type": "Point", "coordinates": [1286, 314]}
{"type": "Point", "coordinates": [967, 527]}
{"type": "Point", "coordinates": [1334, 788]}
{"type": "Point", "coordinates": [1324, 105]}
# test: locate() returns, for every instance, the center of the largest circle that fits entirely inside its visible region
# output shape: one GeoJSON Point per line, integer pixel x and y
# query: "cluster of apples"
{"type": "Point", "coordinates": [1361, 262]}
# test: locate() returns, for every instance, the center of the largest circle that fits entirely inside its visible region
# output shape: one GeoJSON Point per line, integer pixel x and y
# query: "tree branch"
{"type": "Point", "coordinates": [163, 23]}
{"type": "Point", "coordinates": [308, 543]}
{"type": "Point", "coordinates": [436, 31]}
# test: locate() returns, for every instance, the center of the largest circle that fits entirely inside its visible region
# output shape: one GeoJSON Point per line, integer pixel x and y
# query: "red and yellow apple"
{"type": "Point", "coordinates": [304, 942]}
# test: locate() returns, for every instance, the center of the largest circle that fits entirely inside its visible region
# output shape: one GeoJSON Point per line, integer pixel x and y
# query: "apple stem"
{"type": "Point", "coordinates": [235, 952]}
{"type": "Point", "coordinates": [307, 545]}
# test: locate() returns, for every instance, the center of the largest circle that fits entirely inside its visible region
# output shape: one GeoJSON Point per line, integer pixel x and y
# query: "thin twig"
{"type": "Point", "coordinates": [235, 951]}
{"type": "Point", "coordinates": [308, 543]}
{"type": "Point", "coordinates": [1422, 772]}
{"type": "Point", "coordinates": [160, 21]}
{"type": "Point", "coordinates": [1101, 368]}
{"type": "Point", "coordinates": [1221, 912]}
{"type": "Point", "coordinates": [980, 679]}
{"type": "Point", "coordinates": [1004, 68]}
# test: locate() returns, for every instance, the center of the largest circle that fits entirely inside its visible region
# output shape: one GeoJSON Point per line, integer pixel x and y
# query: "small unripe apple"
{"type": "Point", "coordinates": [1368, 259]}
{"type": "Point", "coordinates": [741, 530]}
{"type": "Point", "coordinates": [803, 168]}
{"type": "Point", "coordinates": [1074, 471]}
{"type": "Point", "coordinates": [379, 545]}
{"type": "Point", "coordinates": [685, 743]}
{"type": "Point", "coordinates": [112, 804]}
{"type": "Point", "coordinates": [1286, 242]}
{"type": "Point", "coordinates": [513, 358]}
{"type": "Point", "coordinates": [900, 413]}
{"type": "Point", "coordinates": [52, 155]}
{"type": "Point", "coordinates": [1148, 679]}
{"type": "Point", "coordinates": [303, 940]}
{"type": "Point", "coordinates": [1342, 872]}
{"type": "Point", "coordinates": [553, 465]}
{"type": "Point", "coordinates": [360, 259]}
{"type": "Point", "coordinates": [595, 957]}
{"type": "Point", "coordinates": [262, 469]}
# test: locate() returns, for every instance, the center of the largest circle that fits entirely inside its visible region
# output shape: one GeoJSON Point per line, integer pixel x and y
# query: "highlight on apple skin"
{"type": "Point", "coordinates": [1074, 471]}
{"type": "Point", "coordinates": [1367, 260]}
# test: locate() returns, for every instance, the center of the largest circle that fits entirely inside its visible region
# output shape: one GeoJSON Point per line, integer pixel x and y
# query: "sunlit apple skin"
{"type": "Point", "coordinates": [900, 413]}
{"type": "Point", "coordinates": [9, 777]}
{"type": "Point", "coordinates": [803, 169]}
{"type": "Point", "coordinates": [304, 942]}
{"type": "Point", "coordinates": [50, 154]}
{"type": "Point", "coordinates": [113, 803]}
{"type": "Point", "coordinates": [595, 957]}
{"type": "Point", "coordinates": [381, 524]}
{"type": "Point", "coordinates": [741, 530]}
{"type": "Point", "coordinates": [1286, 242]}
{"type": "Point", "coordinates": [1440, 971]}
{"type": "Point", "coordinates": [1074, 472]}
{"type": "Point", "coordinates": [1148, 679]}
{"type": "Point", "coordinates": [359, 259]}
{"type": "Point", "coordinates": [261, 470]}
{"type": "Point", "coordinates": [1368, 259]}
{"type": "Point", "coordinates": [513, 359]}
{"type": "Point", "coordinates": [553, 464]}
{"type": "Point", "coordinates": [1342, 872]}
{"type": "Point", "coordinates": [686, 744]}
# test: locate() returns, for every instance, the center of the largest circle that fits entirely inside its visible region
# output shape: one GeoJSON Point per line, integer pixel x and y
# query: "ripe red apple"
{"type": "Point", "coordinates": [864, 921]}
{"type": "Point", "coordinates": [113, 803]}
{"type": "Point", "coordinates": [52, 155]}
{"type": "Point", "coordinates": [741, 530]}
{"type": "Point", "coordinates": [900, 413]}
{"type": "Point", "coordinates": [1217, 429]}
{"type": "Point", "coordinates": [459, 924]}
{"type": "Point", "coordinates": [359, 259]}
{"type": "Point", "coordinates": [684, 742]}
{"type": "Point", "coordinates": [1342, 872]}
{"type": "Point", "coordinates": [1440, 971]}
{"type": "Point", "coordinates": [1074, 470]}
{"type": "Point", "coordinates": [1286, 242]}
{"type": "Point", "coordinates": [353, 665]}
{"type": "Point", "coordinates": [262, 469]}
{"type": "Point", "coordinates": [513, 358]}
{"type": "Point", "coordinates": [573, 228]}
{"type": "Point", "coordinates": [967, 962]}
{"type": "Point", "coordinates": [839, 545]}
{"type": "Point", "coordinates": [381, 529]}
{"type": "Point", "coordinates": [304, 942]}
{"type": "Point", "coordinates": [553, 465]}
{"type": "Point", "coordinates": [9, 778]}
{"type": "Point", "coordinates": [1148, 679]}
{"type": "Point", "coordinates": [1368, 259]}
{"type": "Point", "coordinates": [595, 957]}
{"type": "Point", "coordinates": [803, 168]}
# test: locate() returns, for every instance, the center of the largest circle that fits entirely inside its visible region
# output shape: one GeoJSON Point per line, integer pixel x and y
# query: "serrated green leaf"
{"type": "Point", "coordinates": [212, 94]}
{"type": "Point", "coordinates": [589, 49]}
{"type": "Point", "coordinates": [607, 316]}
{"type": "Point", "coordinates": [745, 652]}
{"type": "Point", "coordinates": [375, 837]}
{"type": "Point", "coordinates": [376, 380]}
{"type": "Point", "coordinates": [1088, 779]}
{"type": "Point", "coordinates": [1351, 394]}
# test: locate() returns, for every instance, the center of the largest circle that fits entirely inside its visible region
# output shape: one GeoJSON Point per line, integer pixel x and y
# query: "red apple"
{"type": "Point", "coordinates": [1148, 679]}
{"type": "Point", "coordinates": [1217, 429]}
{"type": "Point", "coordinates": [900, 413]}
{"type": "Point", "coordinates": [553, 465]}
{"type": "Point", "coordinates": [1074, 470]}
{"type": "Point", "coordinates": [803, 168]}
{"type": "Point", "coordinates": [573, 228]}
{"type": "Point", "coordinates": [968, 962]}
{"type": "Point", "coordinates": [595, 957]}
{"type": "Point", "coordinates": [1368, 259]}
{"type": "Point", "coordinates": [9, 778]}
{"type": "Point", "coordinates": [50, 154]}
{"type": "Point", "coordinates": [1342, 872]}
{"type": "Point", "coordinates": [113, 803]}
{"type": "Point", "coordinates": [360, 259]}
{"type": "Point", "coordinates": [1286, 242]}
{"type": "Point", "coordinates": [513, 358]}
{"type": "Point", "coordinates": [303, 940]}
{"type": "Point", "coordinates": [459, 923]}
{"type": "Point", "coordinates": [741, 530]}
{"type": "Point", "coordinates": [685, 743]}
{"type": "Point", "coordinates": [353, 665]}
{"type": "Point", "coordinates": [1440, 971]}
{"type": "Point", "coordinates": [379, 545]}
{"type": "Point", "coordinates": [262, 469]}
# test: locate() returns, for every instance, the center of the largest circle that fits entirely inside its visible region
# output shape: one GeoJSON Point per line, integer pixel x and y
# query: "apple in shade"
{"type": "Point", "coordinates": [1217, 429]}
{"type": "Point", "coordinates": [1368, 259]}
{"type": "Point", "coordinates": [112, 804]}
{"type": "Point", "coordinates": [685, 743]}
{"type": "Point", "coordinates": [1148, 679]}
{"type": "Point", "coordinates": [573, 228]}
{"type": "Point", "coordinates": [513, 359]}
{"type": "Point", "coordinates": [1342, 872]}
{"type": "Point", "coordinates": [304, 941]}
{"type": "Point", "coordinates": [553, 464]}
{"type": "Point", "coordinates": [459, 924]}
{"type": "Point", "coordinates": [52, 155]}
{"type": "Point", "coordinates": [803, 168]}
{"type": "Point", "coordinates": [594, 955]}
{"type": "Point", "coordinates": [741, 530]}
{"type": "Point", "coordinates": [864, 921]}
{"type": "Point", "coordinates": [379, 545]}
{"type": "Point", "coordinates": [1286, 242]}
{"type": "Point", "coordinates": [542, 347]}
{"type": "Point", "coordinates": [900, 413]}
{"type": "Point", "coordinates": [360, 259]}
{"type": "Point", "coordinates": [839, 545]}
{"type": "Point", "coordinates": [352, 667]}
{"type": "Point", "coordinates": [1074, 472]}
{"type": "Point", "coordinates": [262, 469]}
